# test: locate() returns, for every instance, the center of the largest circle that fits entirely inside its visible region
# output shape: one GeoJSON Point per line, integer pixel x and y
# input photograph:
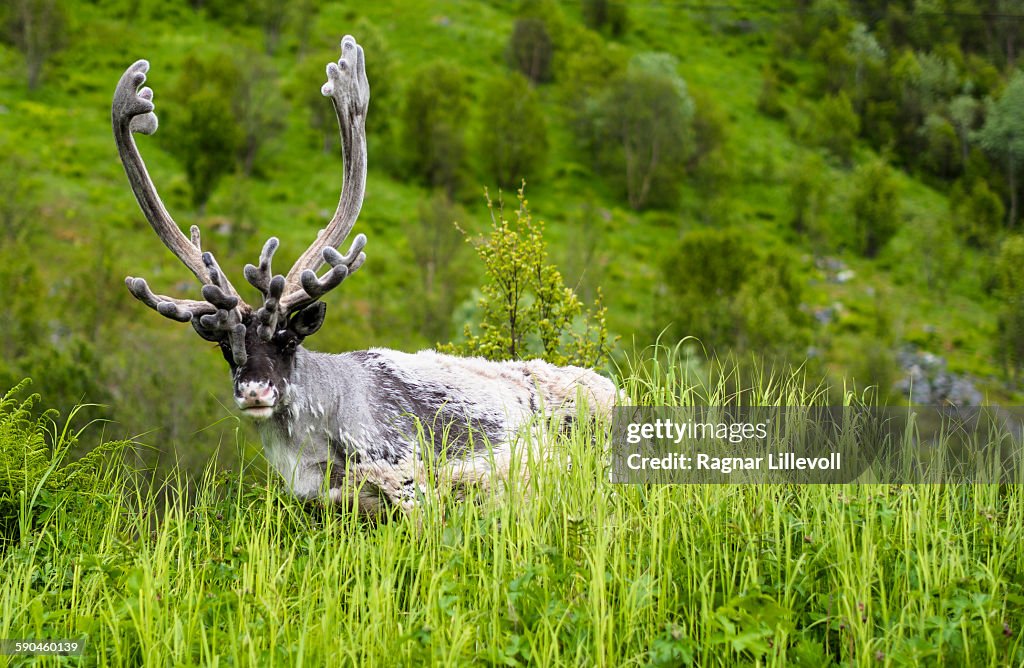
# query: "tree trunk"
{"type": "Point", "coordinates": [1012, 178]}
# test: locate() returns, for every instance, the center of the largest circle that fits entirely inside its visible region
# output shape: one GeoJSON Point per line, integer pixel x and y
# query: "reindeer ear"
{"type": "Point", "coordinates": [308, 320]}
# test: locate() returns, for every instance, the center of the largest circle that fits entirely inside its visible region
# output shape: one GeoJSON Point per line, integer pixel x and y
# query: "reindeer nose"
{"type": "Point", "coordinates": [255, 393]}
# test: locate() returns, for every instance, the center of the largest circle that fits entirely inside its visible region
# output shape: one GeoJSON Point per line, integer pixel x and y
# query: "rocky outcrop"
{"type": "Point", "coordinates": [927, 381]}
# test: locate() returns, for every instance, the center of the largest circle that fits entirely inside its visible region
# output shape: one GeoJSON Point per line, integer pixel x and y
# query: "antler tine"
{"type": "Point", "coordinates": [131, 112]}
{"type": "Point", "coordinates": [342, 266]}
{"type": "Point", "coordinates": [262, 278]}
{"type": "Point", "coordinates": [182, 310]}
{"type": "Point", "coordinates": [350, 92]}
{"type": "Point", "coordinates": [229, 323]}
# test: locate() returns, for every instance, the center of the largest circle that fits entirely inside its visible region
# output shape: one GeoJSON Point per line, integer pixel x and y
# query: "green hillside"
{"type": "Point", "coordinates": [787, 113]}
{"type": "Point", "coordinates": [803, 207]}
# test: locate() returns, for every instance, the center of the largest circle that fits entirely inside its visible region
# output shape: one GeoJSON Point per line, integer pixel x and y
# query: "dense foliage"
{"type": "Point", "coordinates": [36, 475]}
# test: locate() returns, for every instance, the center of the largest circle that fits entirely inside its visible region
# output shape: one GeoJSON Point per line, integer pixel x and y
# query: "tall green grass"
{"type": "Point", "coordinates": [568, 569]}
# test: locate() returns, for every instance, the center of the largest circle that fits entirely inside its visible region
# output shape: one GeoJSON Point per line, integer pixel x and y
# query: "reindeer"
{"type": "Point", "coordinates": [358, 425]}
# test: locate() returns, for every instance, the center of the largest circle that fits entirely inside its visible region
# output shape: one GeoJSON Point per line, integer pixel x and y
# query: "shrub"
{"type": "Point", "coordinates": [203, 135]}
{"type": "Point", "coordinates": [609, 15]}
{"type": "Point", "coordinates": [643, 127]}
{"type": "Point", "coordinates": [526, 310]}
{"type": "Point", "coordinates": [977, 213]}
{"type": "Point", "coordinates": [37, 28]}
{"type": "Point", "coordinates": [769, 101]}
{"type": "Point", "coordinates": [722, 290]}
{"type": "Point", "coordinates": [875, 207]}
{"type": "Point", "coordinates": [432, 132]}
{"type": "Point", "coordinates": [513, 134]}
{"type": "Point", "coordinates": [836, 126]}
{"type": "Point", "coordinates": [436, 246]}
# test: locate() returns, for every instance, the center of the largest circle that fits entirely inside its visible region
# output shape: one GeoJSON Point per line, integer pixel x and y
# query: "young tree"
{"type": "Point", "coordinates": [942, 152]}
{"type": "Point", "coordinates": [769, 101]}
{"type": "Point", "coordinates": [837, 125]}
{"type": "Point", "coordinates": [270, 16]}
{"type": "Point", "coordinates": [258, 107]}
{"type": "Point", "coordinates": [200, 128]}
{"type": "Point", "coordinates": [530, 49]}
{"type": "Point", "coordinates": [432, 130]}
{"type": "Point", "coordinates": [644, 122]}
{"type": "Point", "coordinates": [222, 111]}
{"type": "Point", "coordinates": [875, 207]}
{"type": "Point", "coordinates": [584, 69]}
{"type": "Point", "coordinates": [19, 198]}
{"type": "Point", "coordinates": [526, 310]}
{"type": "Point", "coordinates": [963, 113]}
{"type": "Point", "coordinates": [304, 87]}
{"type": "Point", "coordinates": [318, 113]}
{"type": "Point", "coordinates": [808, 195]}
{"type": "Point", "coordinates": [1002, 136]}
{"type": "Point", "coordinates": [977, 212]}
{"type": "Point", "coordinates": [866, 53]}
{"type": "Point", "coordinates": [513, 135]}
{"type": "Point", "coordinates": [381, 72]}
{"type": "Point", "coordinates": [37, 29]}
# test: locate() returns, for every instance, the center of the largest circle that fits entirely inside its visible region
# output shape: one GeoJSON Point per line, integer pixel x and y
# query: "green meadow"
{"type": "Point", "coordinates": [224, 568]}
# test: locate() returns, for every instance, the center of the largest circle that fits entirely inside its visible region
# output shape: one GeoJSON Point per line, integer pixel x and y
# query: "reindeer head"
{"type": "Point", "coordinates": [258, 343]}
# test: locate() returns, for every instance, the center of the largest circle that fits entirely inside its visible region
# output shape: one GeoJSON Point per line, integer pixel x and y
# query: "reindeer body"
{"type": "Point", "coordinates": [360, 425]}
{"type": "Point", "coordinates": [367, 415]}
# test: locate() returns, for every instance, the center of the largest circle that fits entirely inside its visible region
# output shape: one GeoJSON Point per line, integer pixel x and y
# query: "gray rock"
{"type": "Point", "coordinates": [927, 381]}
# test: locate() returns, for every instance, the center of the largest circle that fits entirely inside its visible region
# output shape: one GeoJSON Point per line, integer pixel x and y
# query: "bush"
{"type": "Point", "coordinates": [809, 196]}
{"type": "Point", "coordinates": [836, 126]}
{"type": "Point", "coordinates": [610, 15]}
{"type": "Point", "coordinates": [37, 28]}
{"type": "Point", "coordinates": [432, 131]}
{"type": "Point", "coordinates": [513, 134]}
{"type": "Point", "coordinates": [201, 131]}
{"type": "Point", "coordinates": [977, 213]}
{"type": "Point", "coordinates": [769, 101]}
{"type": "Point", "coordinates": [875, 207]}
{"type": "Point", "coordinates": [722, 290]}
{"type": "Point", "coordinates": [643, 130]}
{"type": "Point", "coordinates": [436, 246]}
{"type": "Point", "coordinates": [526, 311]}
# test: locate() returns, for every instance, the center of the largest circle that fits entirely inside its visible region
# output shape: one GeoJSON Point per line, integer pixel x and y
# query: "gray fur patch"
{"type": "Point", "coordinates": [451, 427]}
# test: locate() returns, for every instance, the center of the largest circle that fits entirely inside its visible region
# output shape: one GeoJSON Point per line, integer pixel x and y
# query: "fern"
{"type": "Point", "coordinates": [33, 453]}
{"type": "Point", "coordinates": [24, 455]}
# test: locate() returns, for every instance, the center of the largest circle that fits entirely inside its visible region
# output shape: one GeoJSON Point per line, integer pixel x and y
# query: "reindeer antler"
{"type": "Point", "coordinates": [131, 112]}
{"type": "Point", "coordinates": [221, 314]}
{"type": "Point", "coordinates": [350, 92]}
